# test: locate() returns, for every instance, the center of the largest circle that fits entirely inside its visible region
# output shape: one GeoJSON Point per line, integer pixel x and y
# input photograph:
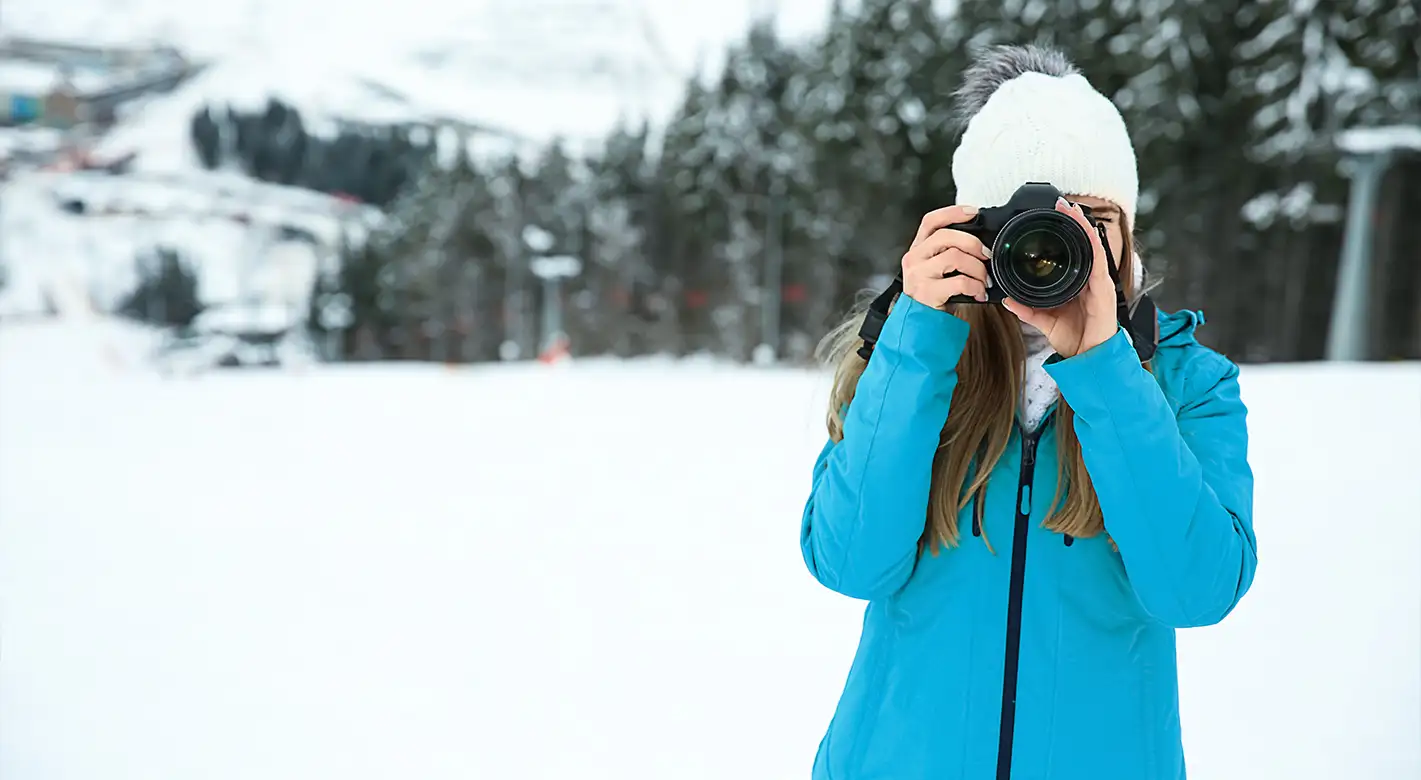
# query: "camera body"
{"type": "Point", "coordinates": [1040, 257]}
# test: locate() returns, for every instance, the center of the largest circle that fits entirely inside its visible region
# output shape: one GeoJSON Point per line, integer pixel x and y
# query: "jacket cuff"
{"type": "Point", "coordinates": [1099, 380]}
{"type": "Point", "coordinates": [928, 336]}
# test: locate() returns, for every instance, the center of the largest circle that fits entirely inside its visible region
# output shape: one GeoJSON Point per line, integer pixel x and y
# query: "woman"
{"type": "Point", "coordinates": [1029, 510]}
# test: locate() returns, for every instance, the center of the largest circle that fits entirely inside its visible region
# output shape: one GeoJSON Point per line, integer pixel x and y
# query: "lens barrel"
{"type": "Point", "coordinates": [1041, 258]}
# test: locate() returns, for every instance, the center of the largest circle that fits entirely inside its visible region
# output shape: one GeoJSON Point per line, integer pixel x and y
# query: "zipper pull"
{"type": "Point", "coordinates": [1028, 450]}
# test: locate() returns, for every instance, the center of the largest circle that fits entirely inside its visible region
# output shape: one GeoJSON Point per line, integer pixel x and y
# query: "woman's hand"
{"type": "Point", "coordinates": [1088, 320]}
{"type": "Point", "coordinates": [938, 251]}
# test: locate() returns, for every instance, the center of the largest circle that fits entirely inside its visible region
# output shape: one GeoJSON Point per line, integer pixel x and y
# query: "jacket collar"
{"type": "Point", "coordinates": [1176, 329]}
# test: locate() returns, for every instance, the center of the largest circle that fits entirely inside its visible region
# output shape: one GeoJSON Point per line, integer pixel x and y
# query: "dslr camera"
{"type": "Point", "coordinates": [1040, 257]}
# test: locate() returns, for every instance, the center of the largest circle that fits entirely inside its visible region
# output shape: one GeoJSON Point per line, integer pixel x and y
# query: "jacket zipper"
{"type": "Point", "coordinates": [1014, 593]}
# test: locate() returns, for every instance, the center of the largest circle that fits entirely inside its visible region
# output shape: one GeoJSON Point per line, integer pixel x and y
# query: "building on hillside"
{"type": "Point", "coordinates": [65, 85]}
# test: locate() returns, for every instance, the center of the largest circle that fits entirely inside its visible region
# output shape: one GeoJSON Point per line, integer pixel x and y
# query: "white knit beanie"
{"type": "Point", "coordinates": [1031, 116]}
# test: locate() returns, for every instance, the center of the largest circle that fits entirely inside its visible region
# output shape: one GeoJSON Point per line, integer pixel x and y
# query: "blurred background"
{"type": "Point", "coordinates": [428, 389]}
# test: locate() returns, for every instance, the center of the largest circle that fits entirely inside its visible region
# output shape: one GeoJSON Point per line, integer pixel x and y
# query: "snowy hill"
{"type": "Point", "coordinates": [521, 572]}
{"type": "Point", "coordinates": [246, 239]}
{"type": "Point", "coordinates": [527, 69]}
{"type": "Point", "coordinates": [520, 71]}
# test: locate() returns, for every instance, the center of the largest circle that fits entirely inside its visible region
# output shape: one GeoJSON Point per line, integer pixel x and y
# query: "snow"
{"type": "Point", "coordinates": [590, 571]}
{"type": "Point", "coordinates": [19, 141]}
{"type": "Point", "coordinates": [488, 65]}
{"type": "Point", "coordinates": [256, 317]}
{"type": "Point", "coordinates": [1372, 140]}
{"type": "Point", "coordinates": [27, 78]}
{"type": "Point", "coordinates": [34, 78]}
{"type": "Point", "coordinates": [239, 235]}
{"type": "Point", "coordinates": [1298, 202]}
{"type": "Point", "coordinates": [572, 71]}
{"type": "Point", "coordinates": [159, 129]}
{"type": "Point", "coordinates": [527, 69]}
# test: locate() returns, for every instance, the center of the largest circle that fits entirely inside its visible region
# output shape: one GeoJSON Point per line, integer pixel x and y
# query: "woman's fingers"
{"type": "Point", "coordinates": [937, 292]}
{"type": "Point", "coordinates": [946, 251]}
{"type": "Point", "coordinates": [946, 217]}
{"type": "Point", "coordinates": [1100, 263]}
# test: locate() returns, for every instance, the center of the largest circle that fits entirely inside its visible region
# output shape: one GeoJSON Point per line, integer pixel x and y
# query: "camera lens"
{"type": "Point", "coordinates": [1042, 258]}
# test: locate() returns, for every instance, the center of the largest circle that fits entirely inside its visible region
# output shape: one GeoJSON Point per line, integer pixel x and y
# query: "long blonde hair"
{"type": "Point", "coordinates": [979, 425]}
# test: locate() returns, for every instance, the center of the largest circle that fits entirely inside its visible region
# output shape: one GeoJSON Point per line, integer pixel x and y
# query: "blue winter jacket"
{"type": "Point", "coordinates": [1054, 657]}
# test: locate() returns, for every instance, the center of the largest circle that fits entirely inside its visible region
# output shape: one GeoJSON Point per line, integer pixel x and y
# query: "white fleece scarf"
{"type": "Point", "coordinates": [1038, 390]}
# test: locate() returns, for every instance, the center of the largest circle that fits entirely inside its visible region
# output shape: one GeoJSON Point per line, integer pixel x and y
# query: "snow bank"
{"type": "Point", "coordinates": [243, 238]}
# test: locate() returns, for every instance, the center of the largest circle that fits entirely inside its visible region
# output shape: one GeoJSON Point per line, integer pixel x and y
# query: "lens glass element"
{"type": "Point", "coordinates": [1040, 258]}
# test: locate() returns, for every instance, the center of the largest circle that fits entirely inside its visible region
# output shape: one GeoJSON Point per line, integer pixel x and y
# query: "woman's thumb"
{"type": "Point", "coordinates": [1026, 314]}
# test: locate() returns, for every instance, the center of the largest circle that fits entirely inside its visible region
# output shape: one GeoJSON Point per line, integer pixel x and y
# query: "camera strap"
{"type": "Point", "coordinates": [877, 314]}
{"type": "Point", "coordinates": [1140, 323]}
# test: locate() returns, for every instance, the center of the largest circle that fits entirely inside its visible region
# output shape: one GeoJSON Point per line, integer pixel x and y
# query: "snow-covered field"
{"type": "Point", "coordinates": [586, 571]}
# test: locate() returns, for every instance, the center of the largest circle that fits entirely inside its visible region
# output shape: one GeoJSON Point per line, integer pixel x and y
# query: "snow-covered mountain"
{"type": "Point", "coordinates": [522, 71]}
{"type": "Point", "coordinates": [528, 69]}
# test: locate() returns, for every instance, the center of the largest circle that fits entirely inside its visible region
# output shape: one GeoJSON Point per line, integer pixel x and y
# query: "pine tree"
{"type": "Point", "coordinates": [791, 179]}
{"type": "Point", "coordinates": [885, 144]}
{"type": "Point", "coordinates": [618, 278]}
{"type": "Point", "coordinates": [478, 269]}
{"type": "Point", "coordinates": [167, 290]}
{"type": "Point", "coordinates": [832, 265]}
{"type": "Point", "coordinates": [692, 189]}
{"type": "Point", "coordinates": [750, 97]}
{"type": "Point", "coordinates": [206, 137]}
{"type": "Point", "coordinates": [503, 224]}
{"type": "Point", "coordinates": [1191, 116]}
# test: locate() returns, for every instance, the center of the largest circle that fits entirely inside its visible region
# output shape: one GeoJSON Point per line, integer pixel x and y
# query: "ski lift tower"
{"type": "Point", "coordinates": [1368, 153]}
{"type": "Point", "coordinates": [553, 269]}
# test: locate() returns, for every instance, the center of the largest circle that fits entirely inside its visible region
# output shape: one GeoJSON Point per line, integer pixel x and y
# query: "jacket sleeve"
{"type": "Point", "coordinates": [869, 502]}
{"type": "Point", "coordinates": [1176, 492]}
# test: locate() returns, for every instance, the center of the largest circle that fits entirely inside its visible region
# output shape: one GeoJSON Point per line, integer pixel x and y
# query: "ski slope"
{"type": "Point", "coordinates": [524, 70]}
{"type": "Point", "coordinates": [588, 571]}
